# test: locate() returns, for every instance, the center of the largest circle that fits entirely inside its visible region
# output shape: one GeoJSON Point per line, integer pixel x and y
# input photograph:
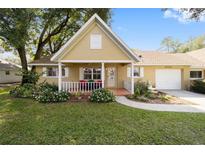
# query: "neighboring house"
{"type": "Point", "coordinates": [95, 57]}
{"type": "Point", "coordinates": [8, 72]}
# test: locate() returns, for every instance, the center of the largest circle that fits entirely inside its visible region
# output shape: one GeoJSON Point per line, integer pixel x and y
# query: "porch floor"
{"type": "Point", "coordinates": [119, 91]}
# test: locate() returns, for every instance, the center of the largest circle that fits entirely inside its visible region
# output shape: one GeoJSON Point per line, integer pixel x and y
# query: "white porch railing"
{"type": "Point", "coordinates": [127, 85]}
{"type": "Point", "coordinates": [81, 86]}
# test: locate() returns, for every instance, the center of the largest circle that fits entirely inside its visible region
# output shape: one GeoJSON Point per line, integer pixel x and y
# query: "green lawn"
{"type": "Point", "coordinates": [23, 121]}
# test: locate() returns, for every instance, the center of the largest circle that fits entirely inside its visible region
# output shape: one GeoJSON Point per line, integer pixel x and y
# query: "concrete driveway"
{"type": "Point", "coordinates": [198, 99]}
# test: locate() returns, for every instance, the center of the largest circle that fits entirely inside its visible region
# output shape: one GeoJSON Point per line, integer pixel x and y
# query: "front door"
{"type": "Point", "coordinates": [111, 76]}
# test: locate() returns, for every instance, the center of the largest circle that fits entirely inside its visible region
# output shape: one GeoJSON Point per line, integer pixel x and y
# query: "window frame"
{"type": "Point", "coordinates": [202, 74]}
{"type": "Point", "coordinates": [93, 46]}
{"type": "Point", "coordinates": [139, 70]}
{"type": "Point", "coordinates": [92, 73]}
{"type": "Point", "coordinates": [56, 69]}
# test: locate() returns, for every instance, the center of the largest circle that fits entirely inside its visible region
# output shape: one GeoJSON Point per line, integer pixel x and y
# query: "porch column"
{"type": "Point", "coordinates": [103, 74]}
{"type": "Point", "coordinates": [59, 76]}
{"type": "Point", "coordinates": [132, 78]}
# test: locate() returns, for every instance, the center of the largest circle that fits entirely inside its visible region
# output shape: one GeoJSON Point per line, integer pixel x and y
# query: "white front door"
{"type": "Point", "coordinates": [168, 79]}
{"type": "Point", "coordinates": [111, 75]}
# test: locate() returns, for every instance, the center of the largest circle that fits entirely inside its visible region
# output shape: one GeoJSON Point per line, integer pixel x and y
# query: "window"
{"type": "Point", "coordinates": [92, 73]}
{"type": "Point", "coordinates": [138, 72]}
{"type": "Point", "coordinates": [87, 73]}
{"type": "Point", "coordinates": [95, 41]}
{"type": "Point", "coordinates": [195, 74]}
{"type": "Point", "coordinates": [96, 73]}
{"type": "Point", "coordinates": [7, 72]}
{"type": "Point", "coordinates": [53, 72]}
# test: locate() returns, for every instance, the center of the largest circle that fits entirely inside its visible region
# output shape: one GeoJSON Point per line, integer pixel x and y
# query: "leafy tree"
{"type": "Point", "coordinates": [170, 44]}
{"type": "Point", "coordinates": [192, 44]}
{"type": "Point", "coordinates": [42, 31]}
{"type": "Point", "coordinates": [15, 25]}
{"type": "Point", "coordinates": [194, 13]}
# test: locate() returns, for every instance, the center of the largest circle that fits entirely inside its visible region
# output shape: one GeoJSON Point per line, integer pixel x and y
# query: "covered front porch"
{"type": "Point", "coordinates": [87, 76]}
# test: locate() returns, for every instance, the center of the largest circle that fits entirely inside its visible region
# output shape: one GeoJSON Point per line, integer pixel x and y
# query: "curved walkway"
{"type": "Point", "coordinates": [159, 107]}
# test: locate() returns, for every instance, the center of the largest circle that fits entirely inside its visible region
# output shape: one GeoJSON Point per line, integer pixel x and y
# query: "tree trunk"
{"type": "Point", "coordinates": [22, 55]}
{"type": "Point", "coordinates": [38, 54]}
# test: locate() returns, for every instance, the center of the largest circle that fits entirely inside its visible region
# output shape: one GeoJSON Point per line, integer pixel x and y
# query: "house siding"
{"type": "Point", "coordinates": [149, 74]}
{"type": "Point", "coordinates": [11, 78]}
{"type": "Point", "coordinates": [80, 50]}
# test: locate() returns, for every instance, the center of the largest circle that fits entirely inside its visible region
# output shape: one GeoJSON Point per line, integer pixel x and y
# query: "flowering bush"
{"type": "Point", "coordinates": [49, 96]}
{"type": "Point", "coordinates": [25, 91]}
{"type": "Point", "coordinates": [102, 96]}
{"type": "Point", "coordinates": [48, 93]}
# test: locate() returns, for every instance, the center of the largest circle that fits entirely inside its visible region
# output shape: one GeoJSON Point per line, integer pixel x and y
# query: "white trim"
{"type": "Point", "coordinates": [95, 16]}
{"type": "Point", "coordinates": [161, 65]}
{"type": "Point", "coordinates": [72, 38]}
{"type": "Point", "coordinates": [110, 30]}
{"type": "Point", "coordinates": [103, 74]}
{"type": "Point", "coordinates": [132, 79]}
{"type": "Point", "coordinates": [53, 77]}
{"type": "Point", "coordinates": [197, 67]}
{"type": "Point", "coordinates": [94, 36]}
{"type": "Point", "coordinates": [202, 75]}
{"type": "Point", "coordinates": [44, 64]}
{"type": "Point", "coordinates": [59, 76]}
{"type": "Point", "coordinates": [114, 41]}
{"type": "Point", "coordinates": [96, 61]}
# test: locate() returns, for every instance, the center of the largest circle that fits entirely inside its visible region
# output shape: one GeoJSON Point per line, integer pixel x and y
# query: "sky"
{"type": "Point", "coordinates": [144, 29]}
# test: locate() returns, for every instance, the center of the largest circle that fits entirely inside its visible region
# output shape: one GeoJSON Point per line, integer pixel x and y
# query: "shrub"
{"type": "Point", "coordinates": [48, 93]}
{"type": "Point", "coordinates": [102, 96]}
{"type": "Point", "coordinates": [198, 86]}
{"type": "Point", "coordinates": [141, 88]}
{"type": "Point", "coordinates": [49, 96]}
{"type": "Point", "coordinates": [30, 76]}
{"type": "Point", "coordinates": [24, 91]}
{"type": "Point", "coordinates": [44, 86]}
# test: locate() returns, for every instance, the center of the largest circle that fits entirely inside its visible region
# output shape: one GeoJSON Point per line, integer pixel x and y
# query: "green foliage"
{"type": "Point", "coordinates": [48, 93]}
{"type": "Point", "coordinates": [198, 86]}
{"type": "Point", "coordinates": [49, 96]}
{"type": "Point", "coordinates": [25, 122]}
{"type": "Point", "coordinates": [30, 76]}
{"type": "Point", "coordinates": [23, 91]}
{"type": "Point", "coordinates": [141, 88]}
{"type": "Point", "coordinates": [45, 86]}
{"type": "Point", "coordinates": [164, 98]}
{"type": "Point", "coordinates": [191, 44]}
{"type": "Point", "coordinates": [170, 44]}
{"type": "Point", "coordinates": [102, 96]}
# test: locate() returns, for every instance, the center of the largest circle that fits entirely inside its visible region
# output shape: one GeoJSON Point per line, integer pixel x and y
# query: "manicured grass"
{"type": "Point", "coordinates": [23, 121]}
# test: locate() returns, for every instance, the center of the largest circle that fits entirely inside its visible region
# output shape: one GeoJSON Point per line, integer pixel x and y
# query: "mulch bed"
{"type": "Point", "coordinates": [80, 98]}
{"type": "Point", "coordinates": [171, 100]}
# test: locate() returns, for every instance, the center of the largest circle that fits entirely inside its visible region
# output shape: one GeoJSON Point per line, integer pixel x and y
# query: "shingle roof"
{"type": "Point", "coordinates": [198, 54]}
{"type": "Point", "coordinates": [194, 58]}
{"type": "Point", "coordinates": [4, 65]}
{"type": "Point", "coordinates": [164, 58]}
{"type": "Point", "coordinates": [43, 60]}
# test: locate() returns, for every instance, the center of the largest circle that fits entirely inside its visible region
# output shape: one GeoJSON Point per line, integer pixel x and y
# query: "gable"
{"type": "Point", "coordinates": [81, 50]}
{"type": "Point", "coordinates": [113, 47]}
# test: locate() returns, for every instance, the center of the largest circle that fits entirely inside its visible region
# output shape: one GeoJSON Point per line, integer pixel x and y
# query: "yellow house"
{"type": "Point", "coordinates": [95, 58]}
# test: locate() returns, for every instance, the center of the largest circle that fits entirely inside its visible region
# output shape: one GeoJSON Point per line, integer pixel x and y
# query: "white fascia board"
{"type": "Point", "coordinates": [95, 16]}
{"type": "Point", "coordinates": [53, 58]}
{"type": "Point", "coordinates": [42, 64]}
{"type": "Point", "coordinates": [96, 61]}
{"type": "Point", "coordinates": [108, 28]}
{"type": "Point", "coordinates": [161, 65]}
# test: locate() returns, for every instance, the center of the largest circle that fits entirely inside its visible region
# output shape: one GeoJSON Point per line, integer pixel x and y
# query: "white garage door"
{"type": "Point", "coordinates": [168, 79]}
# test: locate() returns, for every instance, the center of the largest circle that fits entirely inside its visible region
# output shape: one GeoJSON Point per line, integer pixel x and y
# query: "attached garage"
{"type": "Point", "coordinates": [168, 78]}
